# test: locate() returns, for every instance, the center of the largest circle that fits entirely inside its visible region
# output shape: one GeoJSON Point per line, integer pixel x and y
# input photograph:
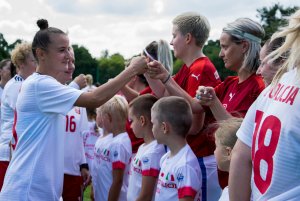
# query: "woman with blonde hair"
{"type": "Point", "coordinates": [267, 151]}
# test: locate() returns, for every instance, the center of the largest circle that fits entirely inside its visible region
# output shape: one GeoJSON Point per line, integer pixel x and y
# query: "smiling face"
{"type": "Point", "coordinates": [54, 61]}
{"type": "Point", "coordinates": [231, 53]}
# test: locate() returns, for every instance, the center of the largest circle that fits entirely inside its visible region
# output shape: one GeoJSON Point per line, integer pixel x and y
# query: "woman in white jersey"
{"type": "Point", "coordinates": [36, 169]}
{"type": "Point", "coordinates": [267, 152]}
{"type": "Point", "coordinates": [23, 59]}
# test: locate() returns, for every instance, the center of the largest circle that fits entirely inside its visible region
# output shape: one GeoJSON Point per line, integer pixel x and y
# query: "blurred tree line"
{"type": "Point", "coordinates": [108, 66]}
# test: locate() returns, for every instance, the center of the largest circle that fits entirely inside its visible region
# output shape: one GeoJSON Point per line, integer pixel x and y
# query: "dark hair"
{"type": "Point", "coordinates": [141, 105]}
{"type": "Point", "coordinates": [42, 37]}
{"type": "Point", "coordinates": [13, 70]}
{"type": "Point", "coordinates": [142, 79]}
{"type": "Point", "coordinates": [176, 111]}
{"type": "Point", "coordinates": [152, 49]}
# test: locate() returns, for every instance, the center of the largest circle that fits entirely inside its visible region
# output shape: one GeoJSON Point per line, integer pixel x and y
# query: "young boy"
{"type": "Point", "coordinates": [114, 165]}
{"type": "Point", "coordinates": [225, 138]}
{"type": "Point", "coordinates": [190, 32]}
{"type": "Point", "coordinates": [180, 175]}
{"type": "Point", "coordinates": [145, 166]}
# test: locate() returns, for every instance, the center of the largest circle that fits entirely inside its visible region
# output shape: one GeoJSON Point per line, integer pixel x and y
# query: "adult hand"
{"type": "Point", "coordinates": [205, 95]}
{"type": "Point", "coordinates": [138, 64]}
{"type": "Point", "coordinates": [157, 71]}
{"type": "Point", "coordinates": [81, 81]}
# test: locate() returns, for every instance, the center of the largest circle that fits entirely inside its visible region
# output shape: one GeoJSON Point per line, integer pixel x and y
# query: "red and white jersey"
{"type": "Point", "coordinates": [90, 137]}
{"type": "Point", "coordinates": [121, 156]}
{"type": "Point", "coordinates": [271, 129]}
{"type": "Point", "coordinates": [8, 106]}
{"type": "Point", "coordinates": [76, 123]}
{"type": "Point", "coordinates": [101, 168]}
{"type": "Point", "coordinates": [179, 176]}
{"type": "Point", "coordinates": [145, 163]}
{"type": "Point", "coordinates": [36, 169]}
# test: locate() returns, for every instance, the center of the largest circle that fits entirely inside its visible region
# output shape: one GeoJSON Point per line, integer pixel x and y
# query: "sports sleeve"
{"type": "Point", "coordinates": [246, 130]}
{"type": "Point", "coordinates": [118, 157]}
{"type": "Point", "coordinates": [188, 181]}
{"type": "Point", "coordinates": [54, 97]}
{"type": "Point", "coordinates": [83, 127]}
{"type": "Point", "coordinates": [150, 165]}
{"type": "Point", "coordinates": [12, 95]}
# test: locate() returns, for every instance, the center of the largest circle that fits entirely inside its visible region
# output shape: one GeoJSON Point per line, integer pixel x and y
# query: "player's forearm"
{"type": "Point", "coordinates": [114, 191]}
{"type": "Point", "coordinates": [157, 87]}
{"type": "Point", "coordinates": [240, 173]}
{"type": "Point", "coordinates": [197, 124]}
{"type": "Point", "coordinates": [106, 91]}
{"type": "Point", "coordinates": [218, 110]}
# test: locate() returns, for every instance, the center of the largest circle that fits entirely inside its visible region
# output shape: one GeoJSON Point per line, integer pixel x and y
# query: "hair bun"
{"type": "Point", "coordinates": [42, 24]}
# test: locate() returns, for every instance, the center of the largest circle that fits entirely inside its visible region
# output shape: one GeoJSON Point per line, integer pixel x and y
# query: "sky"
{"type": "Point", "coordinates": [120, 26]}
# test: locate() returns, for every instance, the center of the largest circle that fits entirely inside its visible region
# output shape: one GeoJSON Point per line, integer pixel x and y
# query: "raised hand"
{"type": "Point", "coordinates": [205, 95]}
{"type": "Point", "coordinates": [138, 64]}
{"type": "Point", "coordinates": [157, 71]}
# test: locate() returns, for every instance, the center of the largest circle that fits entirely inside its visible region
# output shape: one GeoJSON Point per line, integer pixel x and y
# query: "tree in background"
{"type": "Point", "coordinates": [6, 48]}
{"type": "Point", "coordinates": [85, 63]}
{"type": "Point", "coordinates": [274, 17]}
{"type": "Point", "coordinates": [110, 66]}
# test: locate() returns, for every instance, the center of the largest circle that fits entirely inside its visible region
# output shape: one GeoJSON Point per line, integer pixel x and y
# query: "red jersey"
{"type": "Point", "coordinates": [201, 72]}
{"type": "Point", "coordinates": [238, 97]}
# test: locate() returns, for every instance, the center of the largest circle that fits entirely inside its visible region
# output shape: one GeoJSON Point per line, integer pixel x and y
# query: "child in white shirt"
{"type": "Point", "coordinates": [180, 175]}
{"type": "Point", "coordinates": [145, 166]}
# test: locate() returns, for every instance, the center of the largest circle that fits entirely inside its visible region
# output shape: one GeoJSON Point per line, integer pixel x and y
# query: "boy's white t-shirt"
{"type": "Point", "coordinates": [76, 123]}
{"type": "Point", "coordinates": [271, 129]}
{"type": "Point", "coordinates": [90, 137]}
{"type": "Point", "coordinates": [145, 163]}
{"type": "Point", "coordinates": [121, 156]}
{"type": "Point", "coordinates": [36, 168]}
{"type": "Point", "coordinates": [101, 167]}
{"type": "Point", "coordinates": [225, 195]}
{"type": "Point", "coordinates": [8, 106]}
{"type": "Point", "coordinates": [179, 177]}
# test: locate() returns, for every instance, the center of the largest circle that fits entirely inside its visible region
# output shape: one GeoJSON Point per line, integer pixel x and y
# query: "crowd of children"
{"type": "Point", "coordinates": [146, 135]}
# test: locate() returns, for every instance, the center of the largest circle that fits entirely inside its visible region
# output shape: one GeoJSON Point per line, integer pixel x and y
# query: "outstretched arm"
{"type": "Point", "coordinates": [104, 92]}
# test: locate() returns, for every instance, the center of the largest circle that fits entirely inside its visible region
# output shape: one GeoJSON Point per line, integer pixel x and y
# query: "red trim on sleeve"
{"type": "Point", "coordinates": [186, 192]}
{"type": "Point", "coordinates": [152, 172]}
{"type": "Point", "coordinates": [118, 165]}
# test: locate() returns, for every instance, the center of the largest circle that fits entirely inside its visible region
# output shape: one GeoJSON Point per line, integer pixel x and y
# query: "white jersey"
{"type": "Point", "coordinates": [179, 177]}
{"type": "Point", "coordinates": [76, 123]}
{"type": "Point", "coordinates": [90, 137]}
{"type": "Point", "coordinates": [145, 163]}
{"type": "Point", "coordinates": [8, 106]}
{"type": "Point", "coordinates": [225, 195]}
{"type": "Point", "coordinates": [101, 168]}
{"type": "Point", "coordinates": [271, 129]}
{"type": "Point", "coordinates": [121, 156]}
{"type": "Point", "coordinates": [37, 165]}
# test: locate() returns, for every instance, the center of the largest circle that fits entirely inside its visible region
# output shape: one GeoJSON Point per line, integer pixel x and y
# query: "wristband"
{"type": "Point", "coordinates": [164, 82]}
{"type": "Point", "coordinates": [84, 165]}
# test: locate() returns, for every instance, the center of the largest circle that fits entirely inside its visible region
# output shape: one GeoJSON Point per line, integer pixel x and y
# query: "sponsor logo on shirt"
{"type": "Point", "coordinates": [146, 160]}
{"type": "Point", "coordinates": [116, 153]}
{"type": "Point", "coordinates": [169, 181]}
{"type": "Point", "coordinates": [231, 96]}
{"type": "Point", "coordinates": [180, 177]}
{"type": "Point", "coordinates": [196, 76]}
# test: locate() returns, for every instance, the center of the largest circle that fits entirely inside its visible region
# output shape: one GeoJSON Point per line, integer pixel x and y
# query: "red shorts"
{"type": "Point", "coordinates": [3, 168]}
{"type": "Point", "coordinates": [72, 187]}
